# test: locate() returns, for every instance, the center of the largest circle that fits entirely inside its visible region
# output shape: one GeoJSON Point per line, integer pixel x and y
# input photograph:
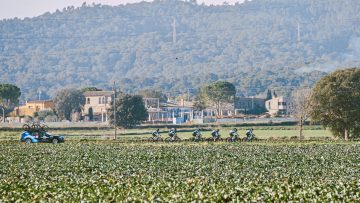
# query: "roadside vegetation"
{"type": "Point", "coordinates": [262, 132]}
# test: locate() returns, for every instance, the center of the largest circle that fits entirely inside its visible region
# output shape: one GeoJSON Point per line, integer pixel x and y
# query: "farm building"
{"type": "Point", "coordinates": [246, 105]}
{"type": "Point", "coordinates": [31, 107]}
{"type": "Point", "coordinates": [96, 105]}
{"type": "Point", "coordinates": [168, 112]}
{"type": "Point", "coordinates": [278, 105]}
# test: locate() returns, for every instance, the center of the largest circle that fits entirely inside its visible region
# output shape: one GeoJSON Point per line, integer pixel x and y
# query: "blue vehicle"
{"type": "Point", "coordinates": [38, 134]}
{"type": "Point", "coordinates": [36, 137]}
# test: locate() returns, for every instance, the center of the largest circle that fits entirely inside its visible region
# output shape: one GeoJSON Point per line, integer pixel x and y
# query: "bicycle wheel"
{"type": "Point", "coordinates": [26, 127]}
{"type": "Point", "coordinates": [254, 138]}
{"type": "Point", "coordinates": [44, 128]}
{"type": "Point", "coordinates": [35, 127]}
{"type": "Point", "coordinates": [198, 139]}
{"type": "Point", "coordinates": [150, 139]}
{"type": "Point", "coordinates": [210, 139]}
{"type": "Point", "coordinates": [219, 139]}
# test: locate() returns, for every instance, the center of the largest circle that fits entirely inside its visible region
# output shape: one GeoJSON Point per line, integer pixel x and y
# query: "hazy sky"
{"type": "Point", "coordinates": [31, 8]}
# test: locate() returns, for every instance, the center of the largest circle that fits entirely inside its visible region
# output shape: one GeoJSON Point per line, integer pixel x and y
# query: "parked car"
{"type": "Point", "coordinates": [35, 137]}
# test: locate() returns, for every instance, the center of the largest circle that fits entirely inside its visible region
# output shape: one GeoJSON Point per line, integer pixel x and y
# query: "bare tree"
{"type": "Point", "coordinates": [300, 107]}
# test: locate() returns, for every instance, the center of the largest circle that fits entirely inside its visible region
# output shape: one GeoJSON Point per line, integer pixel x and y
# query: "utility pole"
{"type": "Point", "coordinates": [174, 31]}
{"type": "Point", "coordinates": [252, 104]}
{"type": "Point", "coordinates": [234, 103]}
{"type": "Point", "coordinates": [114, 88]}
{"type": "Point", "coordinates": [3, 110]}
{"type": "Point", "coordinates": [298, 33]}
{"type": "Point", "coordinates": [188, 94]}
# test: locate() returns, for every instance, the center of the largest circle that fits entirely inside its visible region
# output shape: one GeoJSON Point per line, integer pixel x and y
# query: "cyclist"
{"type": "Point", "coordinates": [172, 132]}
{"type": "Point", "coordinates": [249, 134]}
{"type": "Point", "coordinates": [156, 133]}
{"type": "Point", "coordinates": [215, 134]}
{"type": "Point", "coordinates": [196, 134]}
{"type": "Point", "coordinates": [233, 134]}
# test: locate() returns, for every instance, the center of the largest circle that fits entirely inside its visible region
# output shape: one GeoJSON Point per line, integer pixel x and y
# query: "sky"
{"type": "Point", "coordinates": [31, 8]}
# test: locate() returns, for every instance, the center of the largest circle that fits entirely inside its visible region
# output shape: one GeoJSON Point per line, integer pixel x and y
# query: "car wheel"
{"type": "Point", "coordinates": [55, 141]}
{"type": "Point", "coordinates": [28, 141]}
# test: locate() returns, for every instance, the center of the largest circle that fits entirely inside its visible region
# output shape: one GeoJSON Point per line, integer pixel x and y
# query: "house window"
{"type": "Point", "coordinates": [103, 100]}
{"type": "Point", "coordinates": [106, 100]}
{"type": "Point", "coordinates": [99, 100]}
{"type": "Point", "coordinates": [88, 100]}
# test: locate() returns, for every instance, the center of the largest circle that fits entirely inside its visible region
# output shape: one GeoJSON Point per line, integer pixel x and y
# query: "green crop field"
{"type": "Point", "coordinates": [180, 172]}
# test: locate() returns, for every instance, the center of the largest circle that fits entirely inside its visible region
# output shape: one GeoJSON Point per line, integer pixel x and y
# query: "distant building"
{"type": "Point", "coordinates": [242, 105]}
{"type": "Point", "coordinates": [250, 105]}
{"type": "Point", "coordinates": [169, 112]}
{"type": "Point", "coordinates": [32, 107]}
{"type": "Point", "coordinates": [278, 105]}
{"type": "Point", "coordinates": [96, 105]}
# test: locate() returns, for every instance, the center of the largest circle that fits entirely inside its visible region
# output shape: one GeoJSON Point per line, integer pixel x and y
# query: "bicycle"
{"type": "Point", "coordinates": [233, 138]}
{"type": "Point", "coordinates": [250, 136]}
{"type": "Point", "coordinates": [197, 136]}
{"type": "Point", "coordinates": [155, 137]}
{"type": "Point", "coordinates": [215, 137]}
{"type": "Point", "coordinates": [172, 137]}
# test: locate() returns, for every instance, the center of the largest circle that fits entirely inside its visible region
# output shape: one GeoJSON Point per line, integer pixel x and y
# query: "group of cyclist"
{"type": "Point", "coordinates": [197, 136]}
{"type": "Point", "coordinates": [172, 135]}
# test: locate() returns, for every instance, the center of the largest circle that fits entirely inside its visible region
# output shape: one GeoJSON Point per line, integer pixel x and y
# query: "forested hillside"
{"type": "Point", "coordinates": [257, 45]}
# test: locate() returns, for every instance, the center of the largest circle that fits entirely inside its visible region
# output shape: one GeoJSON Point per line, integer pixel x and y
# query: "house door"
{"type": "Point", "coordinates": [91, 113]}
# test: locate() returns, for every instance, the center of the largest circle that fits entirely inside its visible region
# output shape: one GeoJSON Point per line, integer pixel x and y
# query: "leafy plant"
{"type": "Point", "coordinates": [88, 172]}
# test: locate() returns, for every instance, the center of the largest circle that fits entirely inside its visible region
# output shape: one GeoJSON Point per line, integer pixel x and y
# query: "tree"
{"type": "Point", "coordinates": [217, 94]}
{"type": "Point", "coordinates": [268, 95]}
{"type": "Point", "coordinates": [199, 104]}
{"type": "Point", "coordinates": [201, 58]}
{"type": "Point", "coordinates": [130, 111]}
{"type": "Point", "coordinates": [67, 101]}
{"type": "Point", "coordinates": [274, 94]}
{"type": "Point", "coordinates": [41, 115]}
{"type": "Point", "coordinates": [150, 93]}
{"type": "Point", "coordinates": [335, 102]}
{"type": "Point", "coordinates": [9, 95]}
{"type": "Point", "coordinates": [300, 107]}
{"type": "Point", "coordinates": [85, 89]}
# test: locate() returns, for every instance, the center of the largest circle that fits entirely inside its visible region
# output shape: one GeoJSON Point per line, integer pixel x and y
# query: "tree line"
{"type": "Point", "coordinates": [333, 102]}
